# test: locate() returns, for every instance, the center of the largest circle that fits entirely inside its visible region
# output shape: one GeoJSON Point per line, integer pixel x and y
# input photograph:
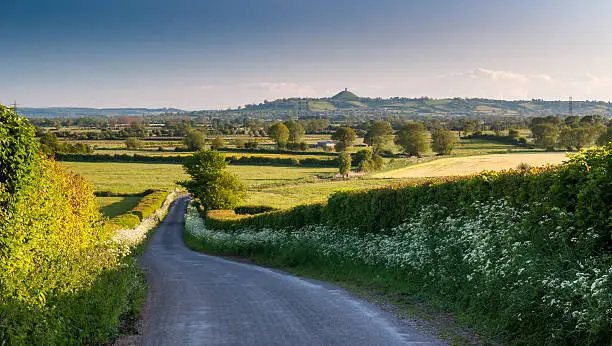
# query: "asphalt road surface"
{"type": "Point", "coordinates": [196, 299]}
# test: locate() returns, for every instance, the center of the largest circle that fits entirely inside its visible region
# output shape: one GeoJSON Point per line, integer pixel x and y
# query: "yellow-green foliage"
{"type": "Point", "coordinates": [60, 278]}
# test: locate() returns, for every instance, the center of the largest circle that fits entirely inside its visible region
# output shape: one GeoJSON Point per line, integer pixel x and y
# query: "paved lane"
{"type": "Point", "coordinates": [196, 299]}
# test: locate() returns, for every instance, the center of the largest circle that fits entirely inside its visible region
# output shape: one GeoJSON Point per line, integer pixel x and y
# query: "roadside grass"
{"type": "Point", "coordinates": [453, 166]}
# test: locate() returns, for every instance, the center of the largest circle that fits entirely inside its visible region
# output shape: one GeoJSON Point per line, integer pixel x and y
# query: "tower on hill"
{"type": "Point", "coordinates": [345, 95]}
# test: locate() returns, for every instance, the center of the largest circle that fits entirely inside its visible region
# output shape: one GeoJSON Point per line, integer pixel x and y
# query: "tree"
{"type": "Point", "coordinates": [345, 163]}
{"type": "Point", "coordinates": [379, 135]}
{"type": "Point", "coordinates": [210, 184]}
{"type": "Point", "coordinates": [367, 161]}
{"type": "Point", "coordinates": [133, 143]}
{"type": "Point", "coordinates": [514, 134]}
{"type": "Point", "coordinates": [296, 131]}
{"type": "Point", "coordinates": [545, 135]}
{"type": "Point", "coordinates": [279, 134]}
{"type": "Point", "coordinates": [194, 140]}
{"type": "Point", "coordinates": [217, 143]}
{"type": "Point", "coordinates": [345, 137]}
{"type": "Point", "coordinates": [605, 137]}
{"type": "Point", "coordinates": [413, 139]}
{"type": "Point", "coordinates": [49, 143]}
{"type": "Point", "coordinates": [443, 141]}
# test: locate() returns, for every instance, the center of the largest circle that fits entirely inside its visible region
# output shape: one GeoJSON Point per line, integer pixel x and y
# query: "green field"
{"type": "Point", "coordinates": [115, 206]}
{"type": "Point", "coordinates": [280, 187]}
{"type": "Point", "coordinates": [284, 187]}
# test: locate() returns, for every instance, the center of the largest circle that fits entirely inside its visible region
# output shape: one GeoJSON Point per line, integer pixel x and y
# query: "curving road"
{"type": "Point", "coordinates": [196, 299]}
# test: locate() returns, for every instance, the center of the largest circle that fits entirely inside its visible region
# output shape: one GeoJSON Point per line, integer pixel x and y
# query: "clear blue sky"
{"type": "Point", "coordinates": [198, 54]}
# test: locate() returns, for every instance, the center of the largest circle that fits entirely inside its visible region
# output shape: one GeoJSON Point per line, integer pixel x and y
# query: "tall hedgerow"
{"type": "Point", "coordinates": [60, 282]}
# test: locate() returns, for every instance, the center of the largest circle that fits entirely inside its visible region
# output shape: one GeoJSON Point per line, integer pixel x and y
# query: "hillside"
{"type": "Point", "coordinates": [347, 100]}
{"type": "Point", "coordinates": [74, 112]}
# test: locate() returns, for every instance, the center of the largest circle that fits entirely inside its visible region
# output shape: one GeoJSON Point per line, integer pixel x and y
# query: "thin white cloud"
{"type": "Point", "coordinates": [485, 73]}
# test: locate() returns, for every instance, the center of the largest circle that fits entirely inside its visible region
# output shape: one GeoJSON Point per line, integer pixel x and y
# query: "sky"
{"type": "Point", "coordinates": [200, 54]}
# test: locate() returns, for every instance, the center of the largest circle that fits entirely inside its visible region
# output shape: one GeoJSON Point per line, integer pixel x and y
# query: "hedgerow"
{"type": "Point", "coordinates": [149, 203]}
{"type": "Point", "coordinates": [242, 160]}
{"type": "Point", "coordinates": [62, 278]}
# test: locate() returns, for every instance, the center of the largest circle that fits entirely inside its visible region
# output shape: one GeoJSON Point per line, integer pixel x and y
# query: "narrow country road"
{"type": "Point", "coordinates": [196, 299]}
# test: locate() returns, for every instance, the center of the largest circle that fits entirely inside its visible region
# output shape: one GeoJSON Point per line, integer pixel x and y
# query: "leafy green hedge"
{"type": "Point", "coordinates": [62, 279]}
{"type": "Point", "coordinates": [253, 209]}
{"type": "Point", "coordinates": [582, 186]}
{"type": "Point", "coordinates": [147, 206]}
{"type": "Point", "coordinates": [243, 160]}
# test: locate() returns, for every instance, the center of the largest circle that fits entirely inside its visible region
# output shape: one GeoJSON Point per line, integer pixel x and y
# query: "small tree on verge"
{"type": "Point", "coordinates": [279, 134]}
{"type": "Point", "coordinates": [210, 184]}
{"type": "Point", "coordinates": [345, 163]}
{"type": "Point", "coordinates": [443, 141]}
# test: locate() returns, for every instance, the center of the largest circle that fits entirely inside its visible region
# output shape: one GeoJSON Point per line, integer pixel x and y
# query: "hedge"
{"type": "Point", "coordinates": [582, 186]}
{"type": "Point", "coordinates": [147, 206]}
{"type": "Point", "coordinates": [244, 160]}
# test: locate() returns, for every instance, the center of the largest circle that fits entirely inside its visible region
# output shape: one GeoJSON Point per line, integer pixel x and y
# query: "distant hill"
{"type": "Point", "coordinates": [346, 100]}
{"type": "Point", "coordinates": [345, 95]}
{"type": "Point", "coordinates": [72, 112]}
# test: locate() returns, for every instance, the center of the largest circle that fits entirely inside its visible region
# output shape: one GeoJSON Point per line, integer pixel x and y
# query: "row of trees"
{"type": "Point", "coordinates": [573, 132]}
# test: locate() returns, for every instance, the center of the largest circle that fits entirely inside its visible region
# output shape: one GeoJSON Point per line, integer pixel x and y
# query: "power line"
{"type": "Point", "coordinates": [571, 106]}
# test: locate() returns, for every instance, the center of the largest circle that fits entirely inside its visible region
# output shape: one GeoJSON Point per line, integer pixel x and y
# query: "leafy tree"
{"type": "Point", "coordinates": [279, 134]}
{"type": "Point", "coordinates": [133, 143]}
{"type": "Point", "coordinates": [379, 135]}
{"type": "Point", "coordinates": [210, 184]}
{"type": "Point", "coordinates": [345, 137]}
{"type": "Point", "coordinates": [49, 143]}
{"type": "Point", "coordinates": [605, 137]}
{"type": "Point", "coordinates": [514, 134]}
{"type": "Point", "coordinates": [443, 141]}
{"type": "Point", "coordinates": [217, 143]}
{"type": "Point", "coordinates": [296, 131]}
{"type": "Point", "coordinates": [194, 140]}
{"type": "Point", "coordinates": [345, 163]}
{"type": "Point", "coordinates": [367, 161]}
{"type": "Point", "coordinates": [239, 143]}
{"type": "Point", "coordinates": [572, 121]}
{"type": "Point", "coordinates": [413, 139]}
{"type": "Point", "coordinates": [545, 135]}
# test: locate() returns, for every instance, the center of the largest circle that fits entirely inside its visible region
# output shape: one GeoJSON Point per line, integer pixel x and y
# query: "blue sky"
{"type": "Point", "coordinates": [214, 54]}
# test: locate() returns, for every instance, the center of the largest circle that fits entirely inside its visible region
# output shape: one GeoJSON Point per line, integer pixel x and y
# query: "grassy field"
{"type": "Point", "coordinates": [138, 177]}
{"type": "Point", "coordinates": [114, 206]}
{"type": "Point", "coordinates": [473, 164]}
{"type": "Point", "coordinates": [280, 187]}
